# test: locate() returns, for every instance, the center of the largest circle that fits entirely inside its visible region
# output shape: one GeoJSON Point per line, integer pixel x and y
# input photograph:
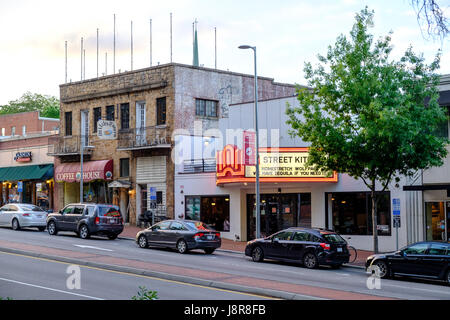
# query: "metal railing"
{"type": "Point", "coordinates": [141, 138]}
{"type": "Point", "coordinates": [199, 166]}
{"type": "Point", "coordinates": [67, 145]}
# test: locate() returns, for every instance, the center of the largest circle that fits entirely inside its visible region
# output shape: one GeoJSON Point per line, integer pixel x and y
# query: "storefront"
{"type": "Point", "coordinates": [96, 175]}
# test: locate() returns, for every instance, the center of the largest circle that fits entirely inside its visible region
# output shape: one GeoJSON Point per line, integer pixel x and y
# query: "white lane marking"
{"type": "Point", "coordinates": [51, 289]}
{"type": "Point", "coordinates": [415, 288]}
{"type": "Point", "coordinates": [91, 247]}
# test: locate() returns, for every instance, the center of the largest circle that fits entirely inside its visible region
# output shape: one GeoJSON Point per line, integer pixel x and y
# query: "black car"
{"type": "Point", "coordinates": [311, 247]}
{"type": "Point", "coordinates": [180, 235]}
{"type": "Point", "coordinates": [428, 260]}
{"type": "Point", "coordinates": [87, 219]}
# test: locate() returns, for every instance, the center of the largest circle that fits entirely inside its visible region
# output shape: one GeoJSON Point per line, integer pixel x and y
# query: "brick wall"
{"type": "Point", "coordinates": [29, 119]}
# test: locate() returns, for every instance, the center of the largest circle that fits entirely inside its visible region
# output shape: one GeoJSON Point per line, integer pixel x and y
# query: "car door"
{"type": "Point", "coordinates": [62, 220]}
{"type": "Point", "coordinates": [157, 234]}
{"type": "Point", "coordinates": [410, 261]}
{"type": "Point", "coordinates": [3, 215]}
{"type": "Point", "coordinates": [278, 247]}
{"type": "Point", "coordinates": [435, 263]}
{"type": "Point", "coordinates": [75, 216]}
{"type": "Point", "coordinates": [176, 231]}
{"type": "Point", "coordinates": [13, 211]}
{"type": "Point", "coordinates": [297, 245]}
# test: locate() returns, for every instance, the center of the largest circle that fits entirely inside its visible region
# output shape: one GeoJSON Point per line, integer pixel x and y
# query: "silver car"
{"type": "Point", "coordinates": [21, 215]}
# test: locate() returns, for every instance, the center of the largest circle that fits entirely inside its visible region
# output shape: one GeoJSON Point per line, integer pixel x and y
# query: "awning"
{"type": "Point", "coordinates": [427, 187]}
{"type": "Point", "coordinates": [120, 184]}
{"type": "Point", "coordinates": [92, 170]}
{"type": "Point", "coordinates": [33, 172]}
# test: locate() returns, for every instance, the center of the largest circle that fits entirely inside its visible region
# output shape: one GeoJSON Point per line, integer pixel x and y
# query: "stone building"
{"type": "Point", "coordinates": [148, 108]}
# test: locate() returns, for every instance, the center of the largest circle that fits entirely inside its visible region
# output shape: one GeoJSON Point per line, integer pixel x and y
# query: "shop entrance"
{"type": "Point", "coordinates": [278, 212]}
{"type": "Point", "coordinates": [438, 220]}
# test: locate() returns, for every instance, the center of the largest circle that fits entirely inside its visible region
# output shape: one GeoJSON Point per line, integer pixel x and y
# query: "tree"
{"type": "Point", "coordinates": [48, 106]}
{"type": "Point", "coordinates": [431, 15]}
{"type": "Point", "coordinates": [366, 115]}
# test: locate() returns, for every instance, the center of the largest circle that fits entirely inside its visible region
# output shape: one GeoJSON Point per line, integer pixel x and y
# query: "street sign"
{"type": "Point", "coordinates": [397, 222]}
{"type": "Point", "coordinates": [396, 207]}
{"type": "Point", "coordinates": [20, 186]}
{"type": "Point", "coordinates": [152, 194]}
{"type": "Point", "coordinates": [249, 148]}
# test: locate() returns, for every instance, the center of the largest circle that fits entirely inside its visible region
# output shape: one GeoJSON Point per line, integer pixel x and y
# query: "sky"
{"type": "Point", "coordinates": [287, 33]}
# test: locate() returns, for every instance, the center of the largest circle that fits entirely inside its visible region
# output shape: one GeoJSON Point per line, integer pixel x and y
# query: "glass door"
{"type": "Point", "coordinates": [437, 214]}
{"type": "Point", "coordinates": [140, 124]}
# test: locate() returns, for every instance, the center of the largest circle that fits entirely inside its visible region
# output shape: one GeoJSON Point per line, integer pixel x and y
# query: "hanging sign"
{"type": "Point", "coordinates": [107, 129]}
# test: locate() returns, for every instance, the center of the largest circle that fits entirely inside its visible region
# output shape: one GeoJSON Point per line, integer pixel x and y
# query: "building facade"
{"type": "Point", "coordinates": [145, 109]}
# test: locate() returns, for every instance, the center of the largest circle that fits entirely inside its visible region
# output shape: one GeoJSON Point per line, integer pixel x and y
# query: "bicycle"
{"type": "Point", "coordinates": [353, 254]}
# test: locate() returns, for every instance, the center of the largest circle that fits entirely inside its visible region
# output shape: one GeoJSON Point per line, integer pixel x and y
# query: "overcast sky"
{"type": "Point", "coordinates": [287, 33]}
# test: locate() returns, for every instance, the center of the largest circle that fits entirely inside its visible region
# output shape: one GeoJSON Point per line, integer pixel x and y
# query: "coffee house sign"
{"type": "Point", "coordinates": [23, 157]}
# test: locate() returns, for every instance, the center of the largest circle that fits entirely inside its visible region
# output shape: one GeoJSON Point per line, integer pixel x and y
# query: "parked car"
{"type": "Point", "coordinates": [428, 260]}
{"type": "Point", "coordinates": [87, 219]}
{"type": "Point", "coordinates": [21, 215]}
{"type": "Point", "coordinates": [180, 235]}
{"type": "Point", "coordinates": [311, 247]}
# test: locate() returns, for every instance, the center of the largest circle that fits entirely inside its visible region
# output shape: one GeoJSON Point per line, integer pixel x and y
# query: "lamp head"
{"type": "Point", "coordinates": [246, 47]}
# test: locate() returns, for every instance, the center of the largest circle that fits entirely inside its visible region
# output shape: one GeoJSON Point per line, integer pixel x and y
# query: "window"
{"type": "Point", "coordinates": [110, 113]}
{"type": "Point", "coordinates": [438, 249]}
{"type": "Point", "coordinates": [214, 211]}
{"type": "Point", "coordinates": [352, 213]}
{"type": "Point", "coordinates": [162, 226]}
{"type": "Point", "coordinates": [3, 131]}
{"type": "Point", "coordinates": [13, 131]}
{"type": "Point", "coordinates": [159, 197]}
{"type": "Point", "coordinates": [161, 111]}
{"type": "Point", "coordinates": [283, 236]}
{"type": "Point", "coordinates": [78, 210]}
{"type": "Point", "coordinates": [24, 130]}
{"type": "Point", "coordinates": [67, 210]}
{"type": "Point", "coordinates": [177, 226]}
{"type": "Point", "coordinates": [125, 167]}
{"type": "Point", "coordinates": [205, 108]}
{"type": "Point", "coordinates": [302, 236]}
{"type": "Point", "coordinates": [420, 248]}
{"type": "Point", "coordinates": [125, 116]}
{"type": "Point", "coordinates": [68, 121]}
{"type": "Point", "coordinates": [97, 117]}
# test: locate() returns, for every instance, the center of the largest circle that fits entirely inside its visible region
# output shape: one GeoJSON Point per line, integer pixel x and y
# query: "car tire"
{"type": "Point", "coordinates": [142, 242]}
{"type": "Point", "coordinates": [257, 254]}
{"type": "Point", "coordinates": [209, 250]}
{"type": "Point", "coordinates": [51, 228]}
{"type": "Point", "coordinates": [112, 236]}
{"type": "Point", "coordinates": [182, 246]}
{"type": "Point", "coordinates": [447, 277]}
{"type": "Point", "coordinates": [15, 224]}
{"type": "Point", "coordinates": [310, 260]}
{"type": "Point", "coordinates": [383, 269]}
{"type": "Point", "coordinates": [84, 232]}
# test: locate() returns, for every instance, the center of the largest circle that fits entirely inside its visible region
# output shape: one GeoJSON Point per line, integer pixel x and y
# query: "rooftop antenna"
{"type": "Point", "coordinates": [131, 45]}
{"type": "Point", "coordinates": [114, 46]}
{"type": "Point", "coordinates": [171, 37]}
{"type": "Point", "coordinates": [215, 48]}
{"type": "Point", "coordinates": [106, 63]}
{"type": "Point", "coordinates": [65, 49]}
{"type": "Point", "coordinates": [81, 58]}
{"type": "Point", "coordinates": [84, 64]}
{"type": "Point", "coordinates": [150, 42]}
{"type": "Point", "coordinates": [97, 52]}
{"type": "Point", "coordinates": [195, 54]}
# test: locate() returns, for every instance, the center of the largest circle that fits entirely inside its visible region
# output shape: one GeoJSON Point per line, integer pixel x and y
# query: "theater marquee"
{"type": "Point", "coordinates": [276, 165]}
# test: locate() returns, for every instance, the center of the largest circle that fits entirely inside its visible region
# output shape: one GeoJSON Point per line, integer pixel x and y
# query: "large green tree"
{"type": "Point", "coordinates": [47, 105]}
{"type": "Point", "coordinates": [368, 116]}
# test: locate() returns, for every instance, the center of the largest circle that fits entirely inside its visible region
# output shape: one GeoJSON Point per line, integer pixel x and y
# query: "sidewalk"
{"type": "Point", "coordinates": [130, 232]}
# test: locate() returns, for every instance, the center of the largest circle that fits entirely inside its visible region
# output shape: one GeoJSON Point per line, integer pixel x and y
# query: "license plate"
{"type": "Point", "coordinates": [210, 237]}
{"type": "Point", "coordinates": [339, 249]}
{"type": "Point", "coordinates": [112, 221]}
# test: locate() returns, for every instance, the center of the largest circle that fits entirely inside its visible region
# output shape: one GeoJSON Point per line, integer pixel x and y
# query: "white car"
{"type": "Point", "coordinates": [21, 215]}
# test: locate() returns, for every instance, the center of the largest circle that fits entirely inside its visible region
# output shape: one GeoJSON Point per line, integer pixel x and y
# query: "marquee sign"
{"type": "Point", "coordinates": [276, 165]}
{"type": "Point", "coordinates": [23, 156]}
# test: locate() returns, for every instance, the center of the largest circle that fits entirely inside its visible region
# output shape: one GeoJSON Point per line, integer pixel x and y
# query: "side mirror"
{"type": "Point", "coordinates": [400, 253]}
{"type": "Point", "coordinates": [276, 240]}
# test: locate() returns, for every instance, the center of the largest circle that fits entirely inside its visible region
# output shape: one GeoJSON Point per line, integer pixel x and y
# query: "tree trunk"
{"type": "Point", "coordinates": [374, 220]}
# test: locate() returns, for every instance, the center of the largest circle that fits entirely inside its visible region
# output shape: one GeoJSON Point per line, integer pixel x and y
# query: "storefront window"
{"type": "Point", "coordinates": [214, 211]}
{"type": "Point", "coordinates": [352, 213]}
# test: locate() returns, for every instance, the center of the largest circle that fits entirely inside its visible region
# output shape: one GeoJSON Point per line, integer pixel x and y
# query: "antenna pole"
{"type": "Point", "coordinates": [131, 45]}
{"type": "Point", "coordinates": [97, 52]}
{"type": "Point", "coordinates": [171, 37]}
{"type": "Point", "coordinates": [81, 58]}
{"type": "Point", "coordinates": [65, 49]}
{"type": "Point", "coordinates": [150, 42]}
{"type": "Point", "coordinates": [114, 46]}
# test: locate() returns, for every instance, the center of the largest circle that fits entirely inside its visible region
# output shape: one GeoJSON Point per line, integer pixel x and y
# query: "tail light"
{"type": "Point", "coordinates": [97, 220]}
{"type": "Point", "coordinates": [325, 246]}
{"type": "Point", "coordinates": [198, 235]}
{"type": "Point", "coordinates": [218, 235]}
{"type": "Point", "coordinates": [26, 215]}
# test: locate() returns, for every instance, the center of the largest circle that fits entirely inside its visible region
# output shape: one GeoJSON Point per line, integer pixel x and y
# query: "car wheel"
{"type": "Point", "coordinates": [84, 232]}
{"type": "Point", "coordinates": [383, 269]}
{"type": "Point", "coordinates": [112, 236]}
{"type": "Point", "coordinates": [41, 229]}
{"type": "Point", "coordinates": [209, 250]}
{"type": "Point", "coordinates": [142, 241]}
{"type": "Point", "coordinates": [310, 260]}
{"type": "Point", "coordinates": [447, 278]}
{"type": "Point", "coordinates": [182, 246]}
{"type": "Point", "coordinates": [257, 254]}
{"type": "Point", "coordinates": [51, 228]}
{"type": "Point", "coordinates": [15, 224]}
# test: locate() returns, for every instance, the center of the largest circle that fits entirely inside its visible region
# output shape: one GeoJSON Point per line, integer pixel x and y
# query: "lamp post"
{"type": "Point", "coordinates": [258, 207]}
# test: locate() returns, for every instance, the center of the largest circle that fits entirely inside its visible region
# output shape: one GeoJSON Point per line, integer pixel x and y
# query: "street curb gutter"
{"type": "Point", "coordinates": [171, 277]}
{"type": "Point", "coordinates": [243, 254]}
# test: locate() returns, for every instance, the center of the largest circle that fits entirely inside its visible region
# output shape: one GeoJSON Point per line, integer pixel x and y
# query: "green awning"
{"type": "Point", "coordinates": [35, 172]}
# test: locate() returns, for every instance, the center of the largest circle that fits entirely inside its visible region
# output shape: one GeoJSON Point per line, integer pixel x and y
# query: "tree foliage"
{"type": "Point", "coordinates": [47, 105]}
{"type": "Point", "coordinates": [365, 115]}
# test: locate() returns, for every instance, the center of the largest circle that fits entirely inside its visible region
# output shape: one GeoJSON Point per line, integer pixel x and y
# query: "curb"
{"type": "Point", "coordinates": [166, 276]}
{"type": "Point", "coordinates": [242, 253]}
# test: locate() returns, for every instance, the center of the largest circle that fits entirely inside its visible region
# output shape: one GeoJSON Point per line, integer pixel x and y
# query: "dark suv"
{"type": "Point", "coordinates": [87, 219]}
{"type": "Point", "coordinates": [311, 247]}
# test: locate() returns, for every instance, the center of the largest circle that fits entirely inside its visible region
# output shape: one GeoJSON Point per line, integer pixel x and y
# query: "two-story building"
{"type": "Point", "coordinates": [146, 108]}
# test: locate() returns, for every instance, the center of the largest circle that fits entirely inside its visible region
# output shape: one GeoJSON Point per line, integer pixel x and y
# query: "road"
{"type": "Point", "coordinates": [323, 283]}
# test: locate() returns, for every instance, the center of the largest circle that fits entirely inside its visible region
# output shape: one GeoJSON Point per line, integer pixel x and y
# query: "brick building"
{"type": "Point", "coordinates": [26, 122]}
{"type": "Point", "coordinates": [147, 108]}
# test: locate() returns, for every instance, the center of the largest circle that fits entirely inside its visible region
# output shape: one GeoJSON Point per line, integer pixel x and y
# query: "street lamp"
{"type": "Point", "coordinates": [258, 208]}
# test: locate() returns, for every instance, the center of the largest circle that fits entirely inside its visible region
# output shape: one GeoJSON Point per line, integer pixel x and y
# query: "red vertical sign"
{"type": "Point", "coordinates": [249, 148]}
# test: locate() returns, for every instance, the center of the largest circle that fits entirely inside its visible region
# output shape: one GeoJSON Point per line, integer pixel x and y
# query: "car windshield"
{"type": "Point", "coordinates": [111, 211]}
{"type": "Point", "coordinates": [30, 207]}
{"type": "Point", "coordinates": [197, 225]}
{"type": "Point", "coordinates": [332, 237]}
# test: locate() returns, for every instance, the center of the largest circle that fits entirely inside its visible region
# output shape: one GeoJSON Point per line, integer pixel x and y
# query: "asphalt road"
{"type": "Point", "coordinates": [346, 279]}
